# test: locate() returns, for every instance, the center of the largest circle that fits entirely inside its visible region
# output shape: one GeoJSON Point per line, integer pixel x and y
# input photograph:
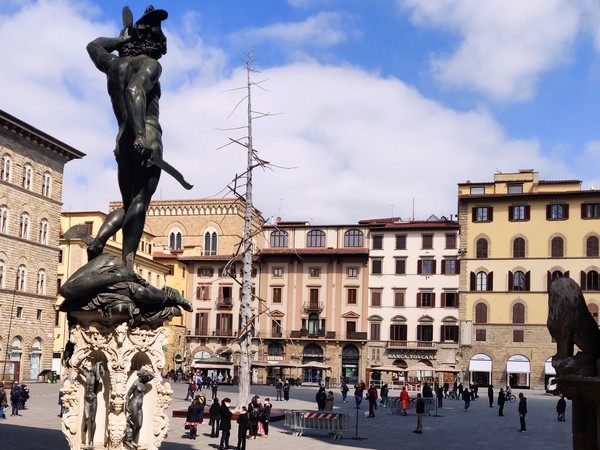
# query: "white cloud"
{"type": "Point", "coordinates": [504, 45]}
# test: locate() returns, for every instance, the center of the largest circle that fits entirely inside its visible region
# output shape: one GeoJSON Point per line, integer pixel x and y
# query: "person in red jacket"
{"type": "Point", "coordinates": [404, 399]}
{"type": "Point", "coordinates": [372, 396]}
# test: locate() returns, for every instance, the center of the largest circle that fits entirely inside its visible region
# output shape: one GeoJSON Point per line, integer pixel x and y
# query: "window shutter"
{"type": "Point", "coordinates": [490, 213]}
{"type": "Point", "coordinates": [443, 266]}
{"type": "Point", "coordinates": [433, 299]}
{"type": "Point", "coordinates": [490, 281]}
{"type": "Point", "coordinates": [456, 302]}
{"type": "Point", "coordinates": [511, 213]}
{"type": "Point", "coordinates": [583, 279]}
{"type": "Point", "coordinates": [418, 300]}
{"type": "Point", "coordinates": [510, 281]}
{"type": "Point", "coordinates": [472, 287]}
{"type": "Point", "coordinates": [583, 210]}
{"type": "Point", "coordinates": [548, 211]}
{"type": "Point", "coordinates": [566, 211]}
{"type": "Point", "coordinates": [527, 280]}
{"type": "Point", "coordinates": [457, 267]}
{"type": "Point", "coordinates": [419, 266]}
{"type": "Point", "coordinates": [527, 212]}
{"type": "Point", "coordinates": [474, 215]}
{"type": "Point", "coordinates": [433, 267]}
{"type": "Point", "coordinates": [443, 300]}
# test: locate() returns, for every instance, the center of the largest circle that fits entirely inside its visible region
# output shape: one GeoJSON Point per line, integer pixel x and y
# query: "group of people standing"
{"type": "Point", "coordinates": [18, 395]}
{"type": "Point", "coordinates": [282, 389]}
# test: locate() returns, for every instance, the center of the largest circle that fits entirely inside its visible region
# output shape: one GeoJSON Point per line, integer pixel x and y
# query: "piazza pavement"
{"type": "Point", "coordinates": [480, 428]}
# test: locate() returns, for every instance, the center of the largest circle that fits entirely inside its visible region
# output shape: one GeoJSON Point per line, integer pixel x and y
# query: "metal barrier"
{"type": "Point", "coordinates": [299, 421]}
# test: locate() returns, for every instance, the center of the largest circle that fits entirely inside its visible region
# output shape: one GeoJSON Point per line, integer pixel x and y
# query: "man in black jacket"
{"type": "Point", "coordinates": [522, 411]}
{"type": "Point", "coordinates": [501, 401]}
{"type": "Point", "coordinates": [420, 410]}
{"type": "Point", "coordinates": [225, 425]}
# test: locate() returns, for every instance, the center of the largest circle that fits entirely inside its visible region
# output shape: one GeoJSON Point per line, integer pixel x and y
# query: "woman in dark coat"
{"type": "Point", "coordinates": [321, 398]}
{"type": "Point", "coordinates": [254, 415]}
{"type": "Point", "coordinates": [225, 426]}
{"type": "Point", "coordinates": [215, 418]}
{"type": "Point", "coordinates": [194, 417]}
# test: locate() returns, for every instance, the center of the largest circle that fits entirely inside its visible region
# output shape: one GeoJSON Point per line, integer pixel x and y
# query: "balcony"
{"type": "Point", "coordinates": [412, 345]}
{"type": "Point", "coordinates": [312, 307]}
{"type": "Point", "coordinates": [357, 335]}
{"type": "Point", "coordinates": [224, 303]}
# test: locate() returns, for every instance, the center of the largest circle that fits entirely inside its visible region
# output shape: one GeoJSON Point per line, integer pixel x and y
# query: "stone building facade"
{"type": "Point", "coordinates": [518, 233]}
{"type": "Point", "coordinates": [31, 183]}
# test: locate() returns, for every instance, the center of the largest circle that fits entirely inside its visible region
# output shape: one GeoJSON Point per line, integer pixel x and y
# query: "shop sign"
{"type": "Point", "coordinates": [411, 356]}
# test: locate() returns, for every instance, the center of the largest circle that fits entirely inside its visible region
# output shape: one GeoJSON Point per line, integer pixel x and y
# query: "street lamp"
{"type": "Point", "coordinates": [12, 307]}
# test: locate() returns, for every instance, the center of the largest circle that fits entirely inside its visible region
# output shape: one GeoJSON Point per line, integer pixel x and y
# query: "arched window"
{"type": "Point", "coordinates": [6, 168]}
{"type": "Point", "coordinates": [21, 278]}
{"type": "Point", "coordinates": [275, 349]}
{"type": "Point", "coordinates": [592, 246]}
{"type": "Point", "coordinates": [210, 242]}
{"type": "Point", "coordinates": [481, 313]}
{"type": "Point", "coordinates": [353, 238]}
{"type": "Point", "coordinates": [44, 231]}
{"type": "Point", "coordinates": [481, 248]}
{"type": "Point", "coordinates": [315, 238]}
{"type": "Point", "coordinates": [481, 283]}
{"type": "Point", "coordinates": [175, 239]}
{"type": "Point", "coordinates": [519, 248]}
{"type": "Point", "coordinates": [46, 185]}
{"type": "Point", "coordinates": [24, 226]}
{"type": "Point", "coordinates": [3, 219]}
{"type": "Point", "coordinates": [557, 247]}
{"type": "Point", "coordinates": [519, 281]}
{"type": "Point", "coordinates": [41, 282]}
{"type": "Point", "coordinates": [27, 176]}
{"type": "Point", "coordinates": [518, 313]}
{"type": "Point", "coordinates": [279, 238]}
{"type": "Point", "coordinates": [592, 280]}
{"type": "Point", "coordinates": [2, 274]}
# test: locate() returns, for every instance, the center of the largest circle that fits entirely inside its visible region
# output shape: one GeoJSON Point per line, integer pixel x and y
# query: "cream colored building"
{"type": "Point", "coordinates": [31, 184]}
{"type": "Point", "coordinates": [73, 255]}
{"type": "Point", "coordinates": [413, 295]}
{"type": "Point", "coordinates": [517, 233]}
{"type": "Point", "coordinates": [314, 283]}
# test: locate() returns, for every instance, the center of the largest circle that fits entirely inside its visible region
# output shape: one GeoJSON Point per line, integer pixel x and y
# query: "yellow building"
{"type": "Point", "coordinates": [73, 255]}
{"type": "Point", "coordinates": [517, 233]}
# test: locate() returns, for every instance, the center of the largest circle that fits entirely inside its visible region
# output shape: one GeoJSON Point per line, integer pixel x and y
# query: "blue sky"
{"type": "Point", "coordinates": [382, 106]}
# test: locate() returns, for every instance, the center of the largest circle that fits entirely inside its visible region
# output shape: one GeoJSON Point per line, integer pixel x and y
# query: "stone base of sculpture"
{"type": "Point", "coordinates": [114, 394]}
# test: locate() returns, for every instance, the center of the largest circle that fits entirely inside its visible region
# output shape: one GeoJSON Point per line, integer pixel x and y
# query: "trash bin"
{"type": "Point", "coordinates": [52, 377]}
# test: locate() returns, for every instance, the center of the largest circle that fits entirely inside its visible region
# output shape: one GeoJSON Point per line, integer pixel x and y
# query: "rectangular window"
{"type": "Point", "coordinates": [482, 214]}
{"type": "Point", "coordinates": [398, 332]}
{"type": "Point", "coordinates": [377, 242]}
{"type": "Point", "coordinates": [480, 335]}
{"type": "Point", "coordinates": [203, 292]}
{"type": "Point", "coordinates": [450, 299]}
{"type": "Point", "coordinates": [56, 318]}
{"type": "Point", "coordinates": [427, 299]}
{"type": "Point", "coordinates": [276, 295]}
{"type": "Point", "coordinates": [400, 242]}
{"type": "Point", "coordinates": [352, 272]}
{"type": "Point", "coordinates": [39, 314]}
{"type": "Point", "coordinates": [450, 266]}
{"type": "Point", "coordinates": [449, 333]}
{"type": "Point", "coordinates": [375, 331]}
{"type": "Point", "coordinates": [425, 333]}
{"type": "Point", "coordinates": [315, 272]}
{"type": "Point", "coordinates": [557, 211]}
{"type": "Point", "coordinates": [277, 272]}
{"type": "Point", "coordinates": [206, 272]}
{"type": "Point", "coordinates": [590, 210]}
{"type": "Point", "coordinates": [426, 266]}
{"type": "Point", "coordinates": [314, 299]}
{"type": "Point", "coordinates": [518, 336]}
{"type": "Point", "coordinates": [399, 299]}
{"type": "Point", "coordinates": [375, 298]}
{"type": "Point", "coordinates": [19, 312]}
{"type": "Point", "coordinates": [400, 266]}
{"type": "Point", "coordinates": [376, 266]}
{"type": "Point", "coordinates": [276, 328]}
{"type": "Point", "coordinates": [451, 241]}
{"type": "Point", "coordinates": [519, 213]}
{"type": "Point", "coordinates": [477, 190]}
{"type": "Point", "coordinates": [515, 188]}
{"type": "Point", "coordinates": [352, 296]}
{"type": "Point", "coordinates": [427, 241]}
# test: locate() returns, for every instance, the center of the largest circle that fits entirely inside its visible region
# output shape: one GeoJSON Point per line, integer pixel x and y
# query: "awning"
{"type": "Point", "coordinates": [518, 366]}
{"type": "Point", "coordinates": [480, 366]}
{"type": "Point", "coordinates": [548, 368]}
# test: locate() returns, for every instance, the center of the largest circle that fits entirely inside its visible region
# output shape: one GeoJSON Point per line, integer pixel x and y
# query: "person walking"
{"type": "Point", "coordinates": [467, 398]}
{"type": "Point", "coordinates": [491, 395]}
{"type": "Point", "coordinates": [215, 418]}
{"type": "Point", "coordinates": [420, 410]}
{"type": "Point", "coordinates": [501, 401]}
{"type": "Point", "coordinates": [404, 399]}
{"type": "Point", "coordinates": [522, 411]}
{"type": "Point", "coordinates": [359, 389]}
{"type": "Point", "coordinates": [384, 393]}
{"type": "Point", "coordinates": [191, 390]}
{"type": "Point", "coordinates": [194, 417]}
{"type": "Point", "coordinates": [561, 408]}
{"type": "Point", "coordinates": [344, 389]}
{"type": "Point", "coordinates": [242, 422]}
{"type": "Point", "coordinates": [225, 425]}
{"type": "Point", "coordinates": [321, 398]}
{"type": "Point", "coordinates": [460, 391]}
{"type": "Point", "coordinates": [266, 417]}
{"type": "Point", "coordinates": [372, 396]}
